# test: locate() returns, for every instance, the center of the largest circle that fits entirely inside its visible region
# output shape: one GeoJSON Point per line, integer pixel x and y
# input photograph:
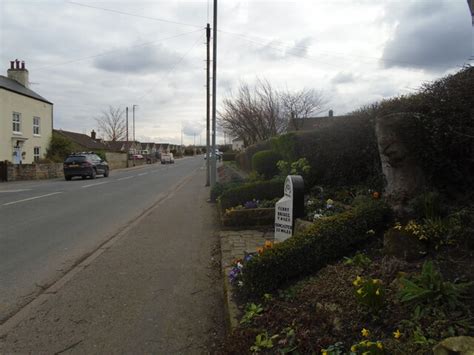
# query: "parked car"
{"type": "Point", "coordinates": [218, 155]}
{"type": "Point", "coordinates": [137, 156]}
{"type": "Point", "coordinates": [167, 158]}
{"type": "Point", "coordinates": [84, 165]}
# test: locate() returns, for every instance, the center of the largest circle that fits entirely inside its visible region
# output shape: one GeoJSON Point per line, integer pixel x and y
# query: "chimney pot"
{"type": "Point", "coordinates": [17, 64]}
{"type": "Point", "coordinates": [23, 64]}
{"type": "Point", "coordinates": [331, 113]}
{"type": "Point", "coordinates": [93, 134]}
{"type": "Point", "coordinates": [12, 64]}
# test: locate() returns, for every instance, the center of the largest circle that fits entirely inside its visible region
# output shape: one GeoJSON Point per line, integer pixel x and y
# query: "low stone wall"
{"type": "Point", "coordinates": [35, 171]}
{"type": "Point", "coordinates": [116, 160]}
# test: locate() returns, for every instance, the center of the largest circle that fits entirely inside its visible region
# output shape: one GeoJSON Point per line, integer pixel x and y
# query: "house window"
{"type": "Point", "coordinates": [16, 122]}
{"type": "Point", "coordinates": [36, 154]}
{"type": "Point", "coordinates": [36, 126]}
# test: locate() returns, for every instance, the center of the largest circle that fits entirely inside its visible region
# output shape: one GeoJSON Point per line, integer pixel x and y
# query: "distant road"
{"type": "Point", "coordinates": [46, 227]}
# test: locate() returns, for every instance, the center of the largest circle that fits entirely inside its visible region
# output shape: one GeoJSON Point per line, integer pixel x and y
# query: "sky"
{"type": "Point", "coordinates": [87, 55]}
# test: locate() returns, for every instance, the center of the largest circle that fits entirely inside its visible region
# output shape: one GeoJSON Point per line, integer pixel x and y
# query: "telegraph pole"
{"type": "Point", "coordinates": [208, 101]}
{"type": "Point", "coordinates": [126, 124]}
{"type": "Point", "coordinates": [214, 99]}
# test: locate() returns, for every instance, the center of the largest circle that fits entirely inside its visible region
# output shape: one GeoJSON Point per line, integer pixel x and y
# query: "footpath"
{"type": "Point", "coordinates": [156, 288]}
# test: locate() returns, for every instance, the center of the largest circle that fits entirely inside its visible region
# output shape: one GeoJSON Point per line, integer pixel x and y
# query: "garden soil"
{"type": "Point", "coordinates": [157, 289]}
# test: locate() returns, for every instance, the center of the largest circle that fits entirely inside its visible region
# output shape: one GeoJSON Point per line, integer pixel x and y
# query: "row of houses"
{"type": "Point", "coordinates": [86, 143]}
{"type": "Point", "coordinates": [26, 125]}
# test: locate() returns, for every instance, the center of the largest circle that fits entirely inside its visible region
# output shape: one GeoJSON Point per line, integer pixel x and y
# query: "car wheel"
{"type": "Point", "coordinates": [94, 174]}
{"type": "Point", "coordinates": [68, 178]}
{"type": "Point", "coordinates": [83, 177]}
{"type": "Point", "coordinates": [106, 172]}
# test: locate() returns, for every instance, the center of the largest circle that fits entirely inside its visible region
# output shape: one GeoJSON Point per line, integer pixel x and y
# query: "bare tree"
{"type": "Point", "coordinates": [112, 123]}
{"type": "Point", "coordinates": [253, 113]}
{"type": "Point", "coordinates": [259, 112]}
{"type": "Point", "coordinates": [302, 104]}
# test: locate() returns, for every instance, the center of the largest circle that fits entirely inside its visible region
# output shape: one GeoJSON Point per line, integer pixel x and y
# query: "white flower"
{"type": "Point", "coordinates": [317, 215]}
{"type": "Point", "coordinates": [239, 265]}
{"type": "Point", "coordinates": [240, 283]}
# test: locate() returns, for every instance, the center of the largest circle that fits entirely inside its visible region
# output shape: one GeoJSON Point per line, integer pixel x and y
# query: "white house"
{"type": "Point", "coordinates": [237, 144]}
{"type": "Point", "coordinates": [26, 118]}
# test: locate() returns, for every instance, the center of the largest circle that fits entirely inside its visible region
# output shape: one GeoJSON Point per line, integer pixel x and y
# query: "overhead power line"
{"type": "Point", "coordinates": [135, 15]}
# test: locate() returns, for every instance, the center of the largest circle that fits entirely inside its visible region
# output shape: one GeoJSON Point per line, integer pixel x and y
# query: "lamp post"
{"type": "Point", "coordinates": [133, 130]}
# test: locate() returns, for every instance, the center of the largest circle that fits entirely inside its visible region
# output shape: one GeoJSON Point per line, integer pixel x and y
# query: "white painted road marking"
{"type": "Point", "coordinates": [20, 190]}
{"type": "Point", "coordinates": [142, 174]}
{"type": "Point", "coordinates": [31, 198]}
{"type": "Point", "coordinates": [125, 178]}
{"type": "Point", "coordinates": [99, 183]}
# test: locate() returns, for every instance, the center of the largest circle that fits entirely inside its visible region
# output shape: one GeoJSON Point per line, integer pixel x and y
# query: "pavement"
{"type": "Point", "coordinates": [155, 287]}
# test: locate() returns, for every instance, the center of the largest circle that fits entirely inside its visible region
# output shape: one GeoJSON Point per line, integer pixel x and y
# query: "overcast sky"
{"type": "Point", "coordinates": [85, 55]}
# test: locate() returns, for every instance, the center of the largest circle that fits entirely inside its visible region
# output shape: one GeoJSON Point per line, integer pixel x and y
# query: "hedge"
{"type": "Point", "coordinates": [244, 159]}
{"type": "Point", "coordinates": [327, 240]}
{"type": "Point", "coordinates": [260, 190]}
{"type": "Point", "coordinates": [265, 163]}
{"type": "Point", "coordinates": [229, 156]}
{"type": "Point", "coordinates": [249, 217]}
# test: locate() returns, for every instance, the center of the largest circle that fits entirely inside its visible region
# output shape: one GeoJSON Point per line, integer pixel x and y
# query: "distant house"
{"type": "Point", "coordinates": [82, 142]}
{"type": "Point", "coordinates": [310, 123]}
{"type": "Point", "coordinates": [26, 118]}
{"type": "Point", "coordinates": [130, 147]}
{"type": "Point", "coordinates": [163, 148]}
{"type": "Point", "coordinates": [237, 144]}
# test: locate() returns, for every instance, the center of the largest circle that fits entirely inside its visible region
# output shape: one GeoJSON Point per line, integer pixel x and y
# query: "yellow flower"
{"type": "Point", "coordinates": [380, 345]}
{"type": "Point", "coordinates": [398, 226]}
{"type": "Point", "coordinates": [359, 291]}
{"type": "Point", "coordinates": [330, 202]}
{"type": "Point", "coordinates": [353, 348]}
{"type": "Point", "coordinates": [377, 292]}
{"type": "Point", "coordinates": [324, 352]}
{"type": "Point", "coordinates": [260, 250]}
{"type": "Point", "coordinates": [268, 244]}
{"type": "Point", "coordinates": [357, 281]}
{"type": "Point", "coordinates": [397, 334]}
{"type": "Point", "coordinates": [365, 332]}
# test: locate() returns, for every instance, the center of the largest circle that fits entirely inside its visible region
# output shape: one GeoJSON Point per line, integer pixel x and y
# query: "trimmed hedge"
{"type": "Point", "coordinates": [244, 159]}
{"type": "Point", "coordinates": [249, 217]}
{"type": "Point", "coordinates": [265, 163]}
{"type": "Point", "coordinates": [219, 188]}
{"type": "Point", "coordinates": [229, 156]}
{"type": "Point", "coordinates": [260, 190]}
{"type": "Point", "coordinates": [327, 240]}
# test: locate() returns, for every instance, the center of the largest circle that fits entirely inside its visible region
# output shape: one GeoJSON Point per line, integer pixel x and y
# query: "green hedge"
{"type": "Point", "coordinates": [260, 190]}
{"type": "Point", "coordinates": [249, 217]}
{"type": "Point", "coordinates": [219, 188]}
{"type": "Point", "coordinates": [229, 156]}
{"type": "Point", "coordinates": [265, 163]}
{"type": "Point", "coordinates": [325, 241]}
{"type": "Point", "coordinates": [244, 159]}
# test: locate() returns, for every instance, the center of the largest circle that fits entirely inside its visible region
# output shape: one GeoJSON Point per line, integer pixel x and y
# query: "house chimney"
{"type": "Point", "coordinates": [331, 113]}
{"type": "Point", "coordinates": [18, 73]}
{"type": "Point", "coordinates": [93, 134]}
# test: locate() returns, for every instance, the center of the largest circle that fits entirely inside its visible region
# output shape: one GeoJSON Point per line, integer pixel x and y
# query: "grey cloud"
{"type": "Point", "coordinates": [430, 35]}
{"type": "Point", "coordinates": [138, 60]}
{"type": "Point", "coordinates": [191, 128]}
{"type": "Point", "coordinates": [343, 78]}
{"type": "Point", "coordinates": [300, 48]}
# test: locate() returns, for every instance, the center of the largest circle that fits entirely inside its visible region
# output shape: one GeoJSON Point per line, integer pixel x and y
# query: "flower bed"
{"type": "Point", "coordinates": [248, 217]}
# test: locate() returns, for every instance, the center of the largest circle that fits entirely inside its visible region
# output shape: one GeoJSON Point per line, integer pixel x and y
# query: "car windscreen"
{"type": "Point", "coordinates": [76, 159]}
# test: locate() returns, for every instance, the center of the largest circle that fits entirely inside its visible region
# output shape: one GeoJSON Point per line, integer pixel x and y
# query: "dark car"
{"type": "Point", "coordinates": [84, 165]}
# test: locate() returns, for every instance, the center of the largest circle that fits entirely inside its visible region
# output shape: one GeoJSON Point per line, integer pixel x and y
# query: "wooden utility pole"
{"type": "Point", "coordinates": [208, 102]}
{"type": "Point", "coordinates": [214, 98]}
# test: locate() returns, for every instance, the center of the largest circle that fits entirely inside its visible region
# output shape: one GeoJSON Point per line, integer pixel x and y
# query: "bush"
{"type": "Point", "coordinates": [229, 156]}
{"type": "Point", "coordinates": [265, 163]}
{"type": "Point", "coordinates": [325, 241]}
{"type": "Point", "coordinates": [249, 217]}
{"type": "Point", "coordinates": [260, 190]}
{"type": "Point", "coordinates": [244, 159]}
{"type": "Point", "coordinates": [219, 188]}
{"type": "Point", "coordinates": [59, 148]}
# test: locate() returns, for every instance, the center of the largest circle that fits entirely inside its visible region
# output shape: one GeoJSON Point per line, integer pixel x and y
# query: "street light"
{"type": "Point", "coordinates": [133, 129]}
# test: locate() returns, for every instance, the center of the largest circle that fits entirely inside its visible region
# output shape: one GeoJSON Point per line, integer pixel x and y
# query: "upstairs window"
{"type": "Point", "coordinates": [36, 126]}
{"type": "Point", "coordinates": [16, 122]}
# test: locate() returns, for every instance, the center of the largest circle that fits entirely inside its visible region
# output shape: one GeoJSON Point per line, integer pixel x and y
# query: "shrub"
{"type": "Point", "coordinates": [218, 189]}
{"type": "Point", "coordinates": [265, 163]}
{"type": "Point", "coordinates": [249, 217]}
{"type": "Point", "coordinates": [229, 156]}
{"type": "Point", "coordinates": [244, 159]}
{"type": "Point", "coordinates": [261, 190]}
{"type": "Point", "coordinates": [59, 148]}
{"type": "Point", "coordinates": [326, 240]}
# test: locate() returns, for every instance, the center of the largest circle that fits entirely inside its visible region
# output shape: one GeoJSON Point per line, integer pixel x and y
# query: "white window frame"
{"type": "Point", "coordinates": [16, 122]}
{"type": "Point", "coordinates": [36, 126]}
{"type": "Point", "coordinates": [36, 154]}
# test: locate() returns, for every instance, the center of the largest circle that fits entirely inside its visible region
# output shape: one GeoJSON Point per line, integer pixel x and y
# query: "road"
{"type": "Point", "coordinates": [46, 227]}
